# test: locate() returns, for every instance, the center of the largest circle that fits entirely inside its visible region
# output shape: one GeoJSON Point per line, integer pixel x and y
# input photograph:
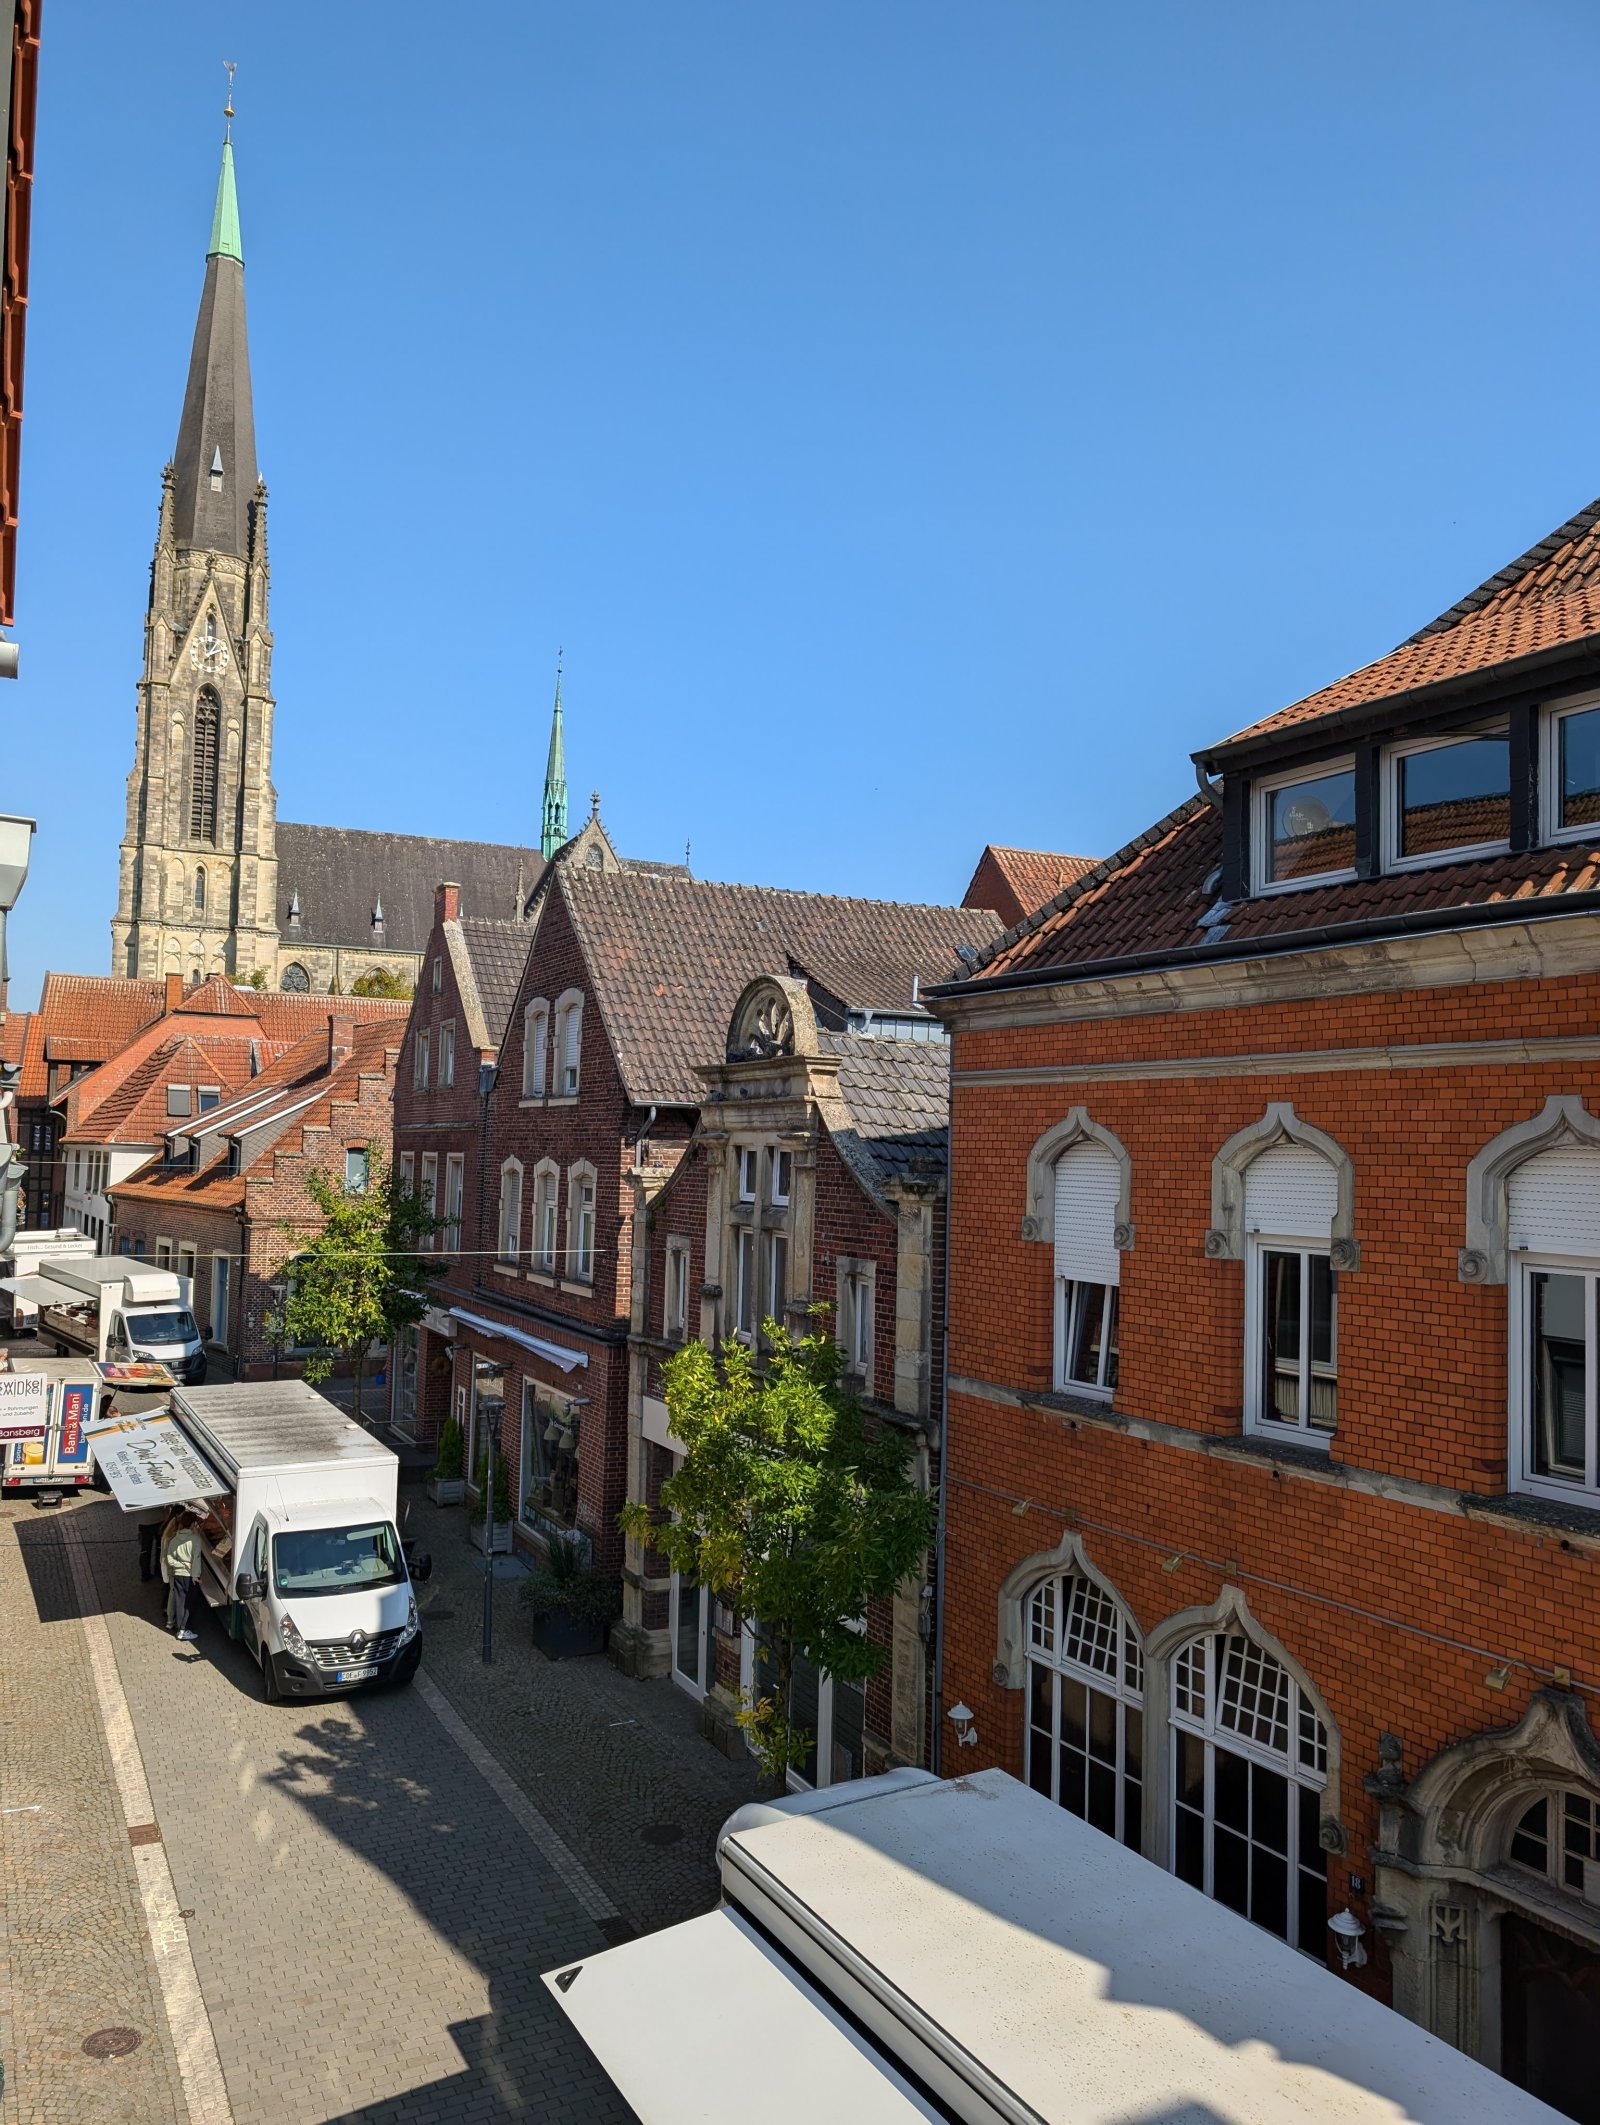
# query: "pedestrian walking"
{"type": "Point", "coordinates": [152, 1526]}
{"type": "Point", "coordinates": [180, 1558]}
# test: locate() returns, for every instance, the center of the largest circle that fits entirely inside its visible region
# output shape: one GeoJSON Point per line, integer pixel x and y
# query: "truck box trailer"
{"type": "Point", "coordinates": [27, 1251]}
{"type": "Point", "coordinates": [908, 1947]}
{"type": "Point", "coordinates": [110, 1307]}
{"type": "Point", "coordinates": [305, 1563]}
{"type": "Point", "coordinates": [46, 1411]}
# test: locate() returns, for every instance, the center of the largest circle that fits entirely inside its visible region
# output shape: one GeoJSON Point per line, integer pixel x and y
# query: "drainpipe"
{"type": "Point", "coordinates": [937, 1737]}
{"type": "Point", "coordinates": [642, 1140]}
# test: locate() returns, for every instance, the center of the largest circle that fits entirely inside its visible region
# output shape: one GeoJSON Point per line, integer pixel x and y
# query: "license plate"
{"type": "Point", "coordinates": [354, 1674]}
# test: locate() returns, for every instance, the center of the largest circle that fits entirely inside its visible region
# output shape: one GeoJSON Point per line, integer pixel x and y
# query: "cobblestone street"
{"type": "Point", "coordinates": [368, 1889]}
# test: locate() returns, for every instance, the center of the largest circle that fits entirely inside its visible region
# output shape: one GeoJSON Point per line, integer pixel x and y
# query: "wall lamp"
{"type": "Point", "coordinates": [966, 1732]}
{"type": "Point", "coordinates": [1347, 1930]}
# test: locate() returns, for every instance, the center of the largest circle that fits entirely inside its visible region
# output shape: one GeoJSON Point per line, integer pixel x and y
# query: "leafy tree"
{"type": "Point", "coordinates": [382, 981]}
{"type": "Point", "coordinates": [258, 980]}
{"type": "Point", "coordinates": [791, 1505]}
{"type": "Point", "coordinates": [360, 1280]}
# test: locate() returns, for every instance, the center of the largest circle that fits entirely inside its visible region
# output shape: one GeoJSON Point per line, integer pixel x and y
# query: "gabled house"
{"type": "Point", "coordinates": [225, 1200]}
{"type": "Point", "coordinates": [82, 1021]}
{"type": "Point", "coordinates": [1013, 882]}
{"type": "Point", "coordinates": [814, 1178]}
{"type": "Point", "coordinates": [1273, 1451]}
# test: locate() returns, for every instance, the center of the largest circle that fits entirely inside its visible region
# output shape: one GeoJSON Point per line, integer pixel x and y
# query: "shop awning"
{"type": "Point", "coordinates": [553, 1353]}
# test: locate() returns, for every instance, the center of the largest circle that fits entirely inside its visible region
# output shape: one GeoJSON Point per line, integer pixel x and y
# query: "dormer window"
{"type": "Point", "coordinates": [1570, 777]}
{"type": "Point", "coordinates": [1305, 827]}
{"type": "Point", "coordinates": [1446, 798]}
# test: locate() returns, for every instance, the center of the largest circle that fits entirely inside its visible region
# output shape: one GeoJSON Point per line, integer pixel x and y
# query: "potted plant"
{"type": "Point", "coordinates": [572, 1606]}
{"type": "Point", "coordinates": [447, 1485]}
{"type": "Point", "coordinates": [498, 1540]}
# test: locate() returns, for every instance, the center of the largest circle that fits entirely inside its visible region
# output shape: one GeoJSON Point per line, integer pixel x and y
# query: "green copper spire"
{"type": "Point", "coordinates": [225, 219]}
{"type": "Point", "coordinates": [555, 782]}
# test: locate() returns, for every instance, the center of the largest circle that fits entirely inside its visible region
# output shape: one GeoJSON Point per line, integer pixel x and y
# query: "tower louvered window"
{"type": "Point", "coordinates": [203, 782]}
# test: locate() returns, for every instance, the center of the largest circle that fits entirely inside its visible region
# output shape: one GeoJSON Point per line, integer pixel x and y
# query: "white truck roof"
{"type": "Point", "coordinates": [91, 1273]}
{"type": "Point", "coordinates": [1027, 1969]}
{"type": "Point", "coordinates": [271, 1427]}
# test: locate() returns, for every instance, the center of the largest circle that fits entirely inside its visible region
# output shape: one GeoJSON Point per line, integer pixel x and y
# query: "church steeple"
{"type": "Point", "coordinates": [215, 461]}
{"type": "Point", "coordinates": [555, 782]}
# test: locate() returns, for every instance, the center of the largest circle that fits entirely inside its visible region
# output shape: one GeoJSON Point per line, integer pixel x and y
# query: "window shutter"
{"type": "Point", "coordinates": [571, 1028]}
{"type": "Point", "coordinates": [1291, 1190]}
{"type": "Point", "coordinates": [1554, 1203]}
{"type": "Point", "coordinates": [1088, 1188]}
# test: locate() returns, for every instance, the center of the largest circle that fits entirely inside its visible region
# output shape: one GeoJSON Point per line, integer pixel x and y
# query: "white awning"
{"type": "Point", "coordinates": [42, 1290]}
{"type": "Point", "coordinates": [641, 2009]}
{"type": "Point", "coordinates": [554, 1353]}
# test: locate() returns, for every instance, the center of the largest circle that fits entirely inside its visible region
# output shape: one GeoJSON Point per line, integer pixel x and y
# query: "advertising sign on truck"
{"type": "Point", "coordinates": [24, 1405]}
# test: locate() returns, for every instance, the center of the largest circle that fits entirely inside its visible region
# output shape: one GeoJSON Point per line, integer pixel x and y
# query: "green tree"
{"type": "Point", "coordinates": [360, 1280]}
{"type": "Point", "coordinates": [382, 981]}
{"type": "Point", "coordinates": [793, 1506]}
{"type": "Point", "coordinates": [258, 980]}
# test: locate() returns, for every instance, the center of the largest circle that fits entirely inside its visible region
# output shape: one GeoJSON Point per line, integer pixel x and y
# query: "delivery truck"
{"type": "Point", "coordinates": [46, 1410]}
{"type": "Point", "coordinates": [27, 1251]}
{"type": "Point", "coordinates": [112, 1309]}
{"type": "Point", "coordinates": [302, 1557]}
{"type": "Point", "coordinates": [908, 1948]}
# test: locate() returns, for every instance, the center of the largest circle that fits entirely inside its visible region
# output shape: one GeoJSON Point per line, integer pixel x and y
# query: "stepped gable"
{"type": "Point", "coordinates": [669, 956]}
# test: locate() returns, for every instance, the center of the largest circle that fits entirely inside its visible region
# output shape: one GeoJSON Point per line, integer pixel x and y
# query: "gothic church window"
{"type": "Point", "coordinates": [295, 979]}
{"type": "Point", "coordinates": [203, 779]}
{"type": "Point", "coordinates": [200, 890]}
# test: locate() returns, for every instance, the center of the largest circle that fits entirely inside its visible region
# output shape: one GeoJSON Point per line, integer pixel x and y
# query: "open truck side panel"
{"type": "Point", "coordinates": [111, 1307]}
{"type": "Point", "coordinates": [1011, 1966]}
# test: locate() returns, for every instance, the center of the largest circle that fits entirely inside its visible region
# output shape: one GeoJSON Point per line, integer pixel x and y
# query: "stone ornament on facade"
{"type": "Point", "coordinates": [1057, 1140]}
{"type": "Point", "coordinates": [1562, 1123]}
{"type": "Point", "coordinates": [1225, 1238]}
{"type": "Point", "coordinates": [773, 1017]}
{"type": "Point", "coordinates": [1068, 1556]}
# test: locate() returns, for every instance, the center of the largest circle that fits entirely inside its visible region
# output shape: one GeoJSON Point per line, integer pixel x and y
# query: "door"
{"type": "Point", "coordinates": [1550, 2017]}
{"type": "Point", "coordinates": [220, 1267]}
{"type": "Point", "coordinates": [252, 1614]}
{"type": "Point", "coordinates": [692, 1650]}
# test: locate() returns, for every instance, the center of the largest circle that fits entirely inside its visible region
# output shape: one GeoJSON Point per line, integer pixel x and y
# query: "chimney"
{"type": "Point", "coordinates": [446, 903]}
{"type": "Point", "coordinates": [174, 991]}
{"type": "Point", "coordinates": [341, 1038]}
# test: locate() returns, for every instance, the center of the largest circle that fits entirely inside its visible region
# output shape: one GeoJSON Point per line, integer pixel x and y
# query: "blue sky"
{"type": "Point", "coordinates": [922, 424]}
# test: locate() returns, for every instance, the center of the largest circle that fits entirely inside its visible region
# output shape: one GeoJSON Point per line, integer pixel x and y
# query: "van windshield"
{"type": "Point", "coordinates": [174, 1326]}
{"type": "Point", "coordinates": [337, 1560]}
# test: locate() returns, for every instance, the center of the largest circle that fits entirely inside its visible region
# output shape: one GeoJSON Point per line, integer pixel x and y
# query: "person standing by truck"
{"type": "Point", "coordinates": [180, 1555]}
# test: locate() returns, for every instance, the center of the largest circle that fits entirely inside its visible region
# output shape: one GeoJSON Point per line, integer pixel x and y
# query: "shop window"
{"type": "Point", "coordinates": [548, 1489]}
{"type": "Point", "coordinates": [1085, 1734]}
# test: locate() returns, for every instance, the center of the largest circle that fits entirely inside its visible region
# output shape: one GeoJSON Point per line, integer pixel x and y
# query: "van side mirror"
{"type": "Point", "coordinates": [247, 1587]}
{"type": "Point", "coordinates": [422, 1570]}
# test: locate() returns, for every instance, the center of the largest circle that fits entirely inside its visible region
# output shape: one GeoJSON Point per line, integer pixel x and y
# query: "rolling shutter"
{"type": "Point", "coordinates": [1553, 1204]}
{"type": "Point", "coordinates": [1291, 1190]}
{"type": "Point", "coordinates": [571, 1032]}
{"type": "Point", "coordinates": [1088, 1186]}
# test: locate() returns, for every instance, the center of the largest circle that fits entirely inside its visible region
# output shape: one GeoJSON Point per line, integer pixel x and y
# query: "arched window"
{"type": "Point", "coordinates": [1291, 1198]}
{"type": "Point", "coordinates": [535, 1047]}
{"type": "Point", "coordinates": [203, 771]}
{"type": "Point", "coordinates": [295, 979]}
{"type": "Point", "coordinates": [510, 1211]}
{"type": "Point", "coordinates": [1085, 1740]}
{"type": "Point", "coordinates": [568, 1044]}
{"type": "Point", "coordinates": [1250, 1767]}
{"type": "Point", "coordinates": [1553, 1241]}
{"type": "Point", "coordinates": [1088, 1188]}
{"type": "Point", "coordinates": [200, 889]}
{"type": "Point", "coordinates": [1559, 1837]}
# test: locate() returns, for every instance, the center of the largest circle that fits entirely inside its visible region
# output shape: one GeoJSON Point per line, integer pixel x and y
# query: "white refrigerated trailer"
{"type": "Point", "coordinates": [906, 1947]}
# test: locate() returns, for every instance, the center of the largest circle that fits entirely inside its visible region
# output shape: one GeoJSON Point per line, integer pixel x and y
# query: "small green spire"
{"type": "Point", "coordinates": [225, 220]}
{"type": "Point", "coordinates": [555, 781]}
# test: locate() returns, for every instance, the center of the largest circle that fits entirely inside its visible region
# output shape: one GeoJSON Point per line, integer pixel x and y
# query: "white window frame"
{"type": "Point", "coordinates": [1071, 1297]}
{"type": "Point", "coordinates": [447, 1054]}
{"type": "Point", "coordinates": [675, 1292]}
{"type": "Point", "coordinates": [1261, 794]}
{"type": "Point", "coordinates": [1389, 802]}
{"type": "Point", "coordinates": [363, 1152]}
{"type": "Point", "coordinates": [1047, 1611]}
{"type": "Point", "coordinates": [780, 1166]}
{"type": "Point", "coordinates": [857, 1311]}
{"type": "Point", "coordinates": [582, 1222]}
{"type": "Point", "coordinates": [455, 1189]}
{"type": "Point", "coordinates": [569, 1033]}
{"type": "Point", "coordinates": [751, 1676]}
{"type": "Point", "coordinates": [438, 974]}
{"type": "Point", "coordinates": [508, 1230]}
{"type": "Point", "coordinates": [1550, 827]}
{"type": "Point", "coordinates": [544, 1242]}
{"type": "Point", "coordinates": [535, 1047]}
{"type": "Point", "coordinates": [1259, 1416]}
{"type": "Point", "coordinates": [746, 1283]}
{"type": "Point", "coordinates": [419, 1059]}
{"type": "Point", "coordinates": [219, 1329]}
{"type": "Point", "coordinates": [187, 1257]}
{"type": "Point", "coordinates": [1522, 1469]}
{"type": "Point", "coordinates": [747, 1172]}
{"type": "Point", "coordinates": [164, 1256]}
{"type": "Point", "coordinates": [428, 1189]}
{"type": "Point", "coordinates": [775, 1272]}
{"type": "Point", "coordinates": [408, 1171]}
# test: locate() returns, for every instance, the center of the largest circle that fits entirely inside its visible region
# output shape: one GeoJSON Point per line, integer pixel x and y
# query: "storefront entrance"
{"type": "Point", "coordinates": [1550, 2017]}
{"type": "Point", "coordinates": [692, 1650]}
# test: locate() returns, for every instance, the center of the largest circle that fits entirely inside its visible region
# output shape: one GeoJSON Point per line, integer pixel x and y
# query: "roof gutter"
{"type": "Point", "coordinates": [1416, 922]}
{"type": "Point", "coordinates": [1467, 687]}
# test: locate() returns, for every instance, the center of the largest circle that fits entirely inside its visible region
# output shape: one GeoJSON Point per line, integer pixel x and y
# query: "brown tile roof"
{"type": "Point", "coordinates": [1149, 898]}
{"type": "Point", "coordinates": [898, 1096]}
{"type": "Point", "coordinates": [489, 957]}
{"type": "Point", "coordinates": [1547, 599]}
{"type": "Point", "coordinates": [1032, 876]}
{"type": "Point", "coordinates": [14, 1035]}
{"type": "Point", "coordinates": [340, 874]}
{"type": "Point", "coordinates": [135, 1111]}
{"type": "Point", "coordinates": [668, 957]}
{"type": "Point", "coordinates": [98, 1013]}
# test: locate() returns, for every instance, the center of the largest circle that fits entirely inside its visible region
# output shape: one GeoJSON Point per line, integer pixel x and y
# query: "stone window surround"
{"type": "Point", "coordinates": [579, 1174]}
{"type": "Point", "coordinates": [1562, 1121]}
{"type": "Point", "coordinates": [568, 1003]}
{"type": "Point", "coordinates": [1225, 1238]}
{"type": "Point", "coordinates": [1039, 1223]}
{"type": "Point", "coordinates": [547, 1174]}
{"type": "Point", "coordinates": [535, 1048]}
{"type": "Point", "coordinates": [506, 1260]}
{"type": "Point", "coordinates": [1160, 1646]}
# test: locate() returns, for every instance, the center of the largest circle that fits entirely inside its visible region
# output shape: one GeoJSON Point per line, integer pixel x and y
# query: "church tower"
{"type": "Point", "coordinates": [198, 889]}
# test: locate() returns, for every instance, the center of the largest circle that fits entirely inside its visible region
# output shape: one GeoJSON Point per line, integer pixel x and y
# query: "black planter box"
{"type": "Point", "coordinates": [562, 1637]}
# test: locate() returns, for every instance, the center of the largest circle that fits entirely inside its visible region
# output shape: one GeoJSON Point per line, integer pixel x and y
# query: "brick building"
{"type": "Point", "coordinates": [815, 1175]}
{"type": "Point", "coordinates": [83, 1020]}
{"type": "Point", "coordinates": [225, 1199]}
{"type": "Point", "coordinates": [1013, 882]}
{"type": "Point", "coordinates": [1273, 1493]}
{"type": "Point", "coordinates": [629, 980]}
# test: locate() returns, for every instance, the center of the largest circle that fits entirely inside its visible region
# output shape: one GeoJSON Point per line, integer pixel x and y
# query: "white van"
{"type": "Point", "coordinates": [311, 1574]}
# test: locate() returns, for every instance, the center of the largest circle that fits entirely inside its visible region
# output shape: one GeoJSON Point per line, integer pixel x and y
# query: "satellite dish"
{"type": "Point", "coordinates": [1304, 815]}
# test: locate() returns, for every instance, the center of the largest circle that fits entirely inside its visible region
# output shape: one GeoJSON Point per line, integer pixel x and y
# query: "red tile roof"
{"type": "Point", "coordinates": [14, 1035]}
{"type": "Point", "coordinates": [135, 1110]}
{"type": "Point", "coordinates": [98, 1013]}
{"type": "Point", "coordinates": [1013, 882]}
{"type": "Point", "coordinates": [1547, 599]}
